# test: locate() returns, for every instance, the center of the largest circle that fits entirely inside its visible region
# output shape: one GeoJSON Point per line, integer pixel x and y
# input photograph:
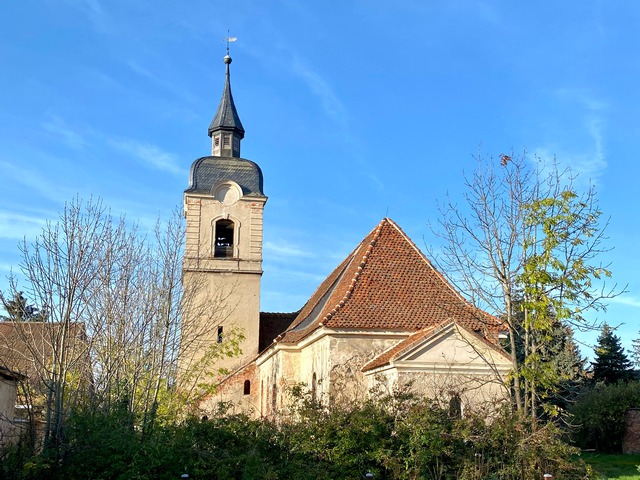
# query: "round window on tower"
{"type": "Point", "coordinates": [227, 193]}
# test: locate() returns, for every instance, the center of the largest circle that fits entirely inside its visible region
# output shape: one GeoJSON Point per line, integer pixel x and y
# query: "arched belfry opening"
{"type": "Point", "coordinates": [224, 239]}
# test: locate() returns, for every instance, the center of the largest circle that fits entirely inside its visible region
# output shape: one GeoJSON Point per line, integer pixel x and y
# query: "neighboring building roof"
{"type": "Point", "coordinates": [419, 337]}
{"type": "Point", "coordinates": [227, 118]}
{"type": "Point", "coordinates": [11, 375]}
{"type": "Point", "coordinates": [207, 172]}
{"type": "Point", "coordinates": [25, 347]}
{"type": "Point", "coordinates": [386, 283]}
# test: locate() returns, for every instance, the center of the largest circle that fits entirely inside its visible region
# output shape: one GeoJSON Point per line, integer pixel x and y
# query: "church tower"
{"type": "Point", "coordinates": [222, 264]}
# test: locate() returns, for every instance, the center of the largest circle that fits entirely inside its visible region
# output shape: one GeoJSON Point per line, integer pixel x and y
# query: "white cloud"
{"type": "Point", "coordinates": [31, 179]}
{"type": "Point", "coordinates": [590, 161]}
{"type": "Point", "coordinates": [95, 12]}
{"type": "Point", "coordinates": [331, 104]}
{"type": "Point", "coordinates": [66, 134]}
{"type": "Point", "coordinates": [285, 249]}
{"type": "Point", "coordinates": [151, 155]}
{"type": "Point", "coordinates": [288, 273]}
{"type": "Point", "coordinates": [7, 268]}
{"type": "Point", "coordinates": [627, 300]}
{"type": "Point", "coordinates": [17, 226]}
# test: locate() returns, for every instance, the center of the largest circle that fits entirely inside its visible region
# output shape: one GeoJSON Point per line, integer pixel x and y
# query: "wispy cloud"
{"type": "Point", "coordinates": [17, 226]}
{"type": "Point", "coordinates": [64, 132]}
{"type": "Point", "coordinates": [95, 12]}
{"type": "Point", "coordinates": [627, 300]}
{"type": "Point", "coordinates": [289, 273]}
{"type": "Point", "coordinates": [589, 163]}
{"type": "Point", "coordinates": [150, 155]}
{"type": "Point", "coordinates": [32, 179]}
{"type": "Point", "coordinates": [170, 87]}
{"type": "Point", "coordinates": [285, 249]}
{"type": "Point", "coordinates": [331, 104]}
{"type": "Point", "coordinates": [7, 268]}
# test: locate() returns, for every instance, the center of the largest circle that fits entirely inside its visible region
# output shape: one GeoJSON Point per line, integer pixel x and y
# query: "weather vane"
{"type": "Point", "coordinates": [229, 40]}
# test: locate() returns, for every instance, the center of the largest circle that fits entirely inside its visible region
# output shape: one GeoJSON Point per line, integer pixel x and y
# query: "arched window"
{"type": "Point", "coordinates": [314, 388]}
{"type": "Point", "coordinates": [223, 245]}
{"type": "Point", "coordinates": [274, 398]}
{"type": "Point", "coordinates": [220, 333]}
{"type": "Point", "coordinates": [455, 406]}
{"type": "Point", "coordinates": [247, 387]}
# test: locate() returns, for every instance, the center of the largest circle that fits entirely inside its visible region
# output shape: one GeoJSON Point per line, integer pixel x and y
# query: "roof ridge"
{"type": "Point", "coordinates": [435, 270]}
{"type": "Point", "coordinates": [376, 234]}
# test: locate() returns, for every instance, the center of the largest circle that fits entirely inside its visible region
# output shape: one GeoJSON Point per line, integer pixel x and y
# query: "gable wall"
{"type": "Point", "coordinates": [448, 366]}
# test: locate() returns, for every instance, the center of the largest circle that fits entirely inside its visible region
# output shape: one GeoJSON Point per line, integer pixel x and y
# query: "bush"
{"type": "Point", "coordinates": [397, 438]}
{"type": "Point", "coordinates": [598, 415]}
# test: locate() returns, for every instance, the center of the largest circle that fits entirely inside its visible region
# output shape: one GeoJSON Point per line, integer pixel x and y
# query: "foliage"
{"type": "Point", "coordinates": [114, 302]}
{"type": "Point", "coordinates": [561, 356]}
{"type": "Point", "coordinates": [611, 364]}
{"type": "Point", "coordinates": [527, 245]}
{"type": "Point", "coordinates": [399, 437]}
{"type": "Point", "coordinates": [598, 415]}
{"type": "Point", "coordinates": [19, 310]}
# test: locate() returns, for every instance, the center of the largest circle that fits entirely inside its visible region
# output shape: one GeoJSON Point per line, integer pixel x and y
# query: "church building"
{"type": "Point", "coordinates": [385, 319]}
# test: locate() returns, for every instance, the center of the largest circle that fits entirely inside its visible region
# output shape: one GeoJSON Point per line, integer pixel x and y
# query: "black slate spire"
{"type": "Point", "coordinates": [226, 129]}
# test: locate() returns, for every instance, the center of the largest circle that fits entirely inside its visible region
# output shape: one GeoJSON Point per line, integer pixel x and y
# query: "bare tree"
{"type": "Point", "coordinates": [115, 323]}
{"type": "Point", "coordinates": [526, 245]}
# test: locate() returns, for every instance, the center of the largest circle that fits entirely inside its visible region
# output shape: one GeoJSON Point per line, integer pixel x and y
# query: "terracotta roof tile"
{"type": "Point", "coordinates": [386, 283]}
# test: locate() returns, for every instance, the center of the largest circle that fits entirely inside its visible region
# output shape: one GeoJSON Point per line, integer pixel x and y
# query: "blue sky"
{"type": "Point", "coordinates": [354, 110]}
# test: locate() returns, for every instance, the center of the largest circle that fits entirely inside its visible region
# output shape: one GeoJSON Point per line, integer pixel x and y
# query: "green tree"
{"type": "Point", "coordinates": [18, 309]}
{"type": "Point", "coordinates": [611, 363]}
{"type": "Point", "coordinates": [527, 246]}
{"type": "Point", "coordinates": [598, 416]}
{"type": "Point", "coordinates": [556, 281]}
{"type": "Point", "coordinates": [635, 352]}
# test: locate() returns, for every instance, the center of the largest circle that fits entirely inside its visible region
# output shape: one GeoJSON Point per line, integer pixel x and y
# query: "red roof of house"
{"type": "Point", "coordinates": [387, 283]}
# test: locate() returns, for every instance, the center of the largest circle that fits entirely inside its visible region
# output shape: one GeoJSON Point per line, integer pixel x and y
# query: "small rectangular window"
{"type": "Point", "coordinates": [220, 334]}
{"type": "Point", "coordinates": [226, 140]}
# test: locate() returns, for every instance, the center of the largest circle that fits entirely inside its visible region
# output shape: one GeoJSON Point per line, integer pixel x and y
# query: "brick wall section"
{"type": "Point", "coordinates": [631, 439]}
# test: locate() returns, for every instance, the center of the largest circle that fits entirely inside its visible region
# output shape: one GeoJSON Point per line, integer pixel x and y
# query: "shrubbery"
{"type": "Point", "coordinates": [394, 439]}
{"type": "Point", "coordinates": [598, 415]}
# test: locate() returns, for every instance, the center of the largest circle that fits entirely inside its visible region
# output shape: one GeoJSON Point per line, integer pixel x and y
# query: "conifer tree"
{"type": "Point", "coordinates": [611, 362]}
{"type": "Point", "coordinates": [19, 310]}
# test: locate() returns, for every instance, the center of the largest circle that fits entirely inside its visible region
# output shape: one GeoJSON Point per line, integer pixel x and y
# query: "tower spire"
{"type": "Point", "coordinates": [226, 130]}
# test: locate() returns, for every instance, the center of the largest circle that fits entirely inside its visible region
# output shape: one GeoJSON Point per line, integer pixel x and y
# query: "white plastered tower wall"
{"type": "Point", "coordinates": [226, 291]}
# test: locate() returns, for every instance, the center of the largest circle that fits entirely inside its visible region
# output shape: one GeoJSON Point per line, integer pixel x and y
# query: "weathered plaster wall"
{"type": "Point", "coordinates": [221, 291]}
{"type": "Point", "coordinates": [348, 354]}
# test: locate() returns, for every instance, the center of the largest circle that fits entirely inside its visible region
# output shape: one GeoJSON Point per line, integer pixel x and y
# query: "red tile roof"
{"type": "Point", "coordinates": [386, 283]}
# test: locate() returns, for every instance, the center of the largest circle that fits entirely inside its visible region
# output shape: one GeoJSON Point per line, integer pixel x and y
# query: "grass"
{"type": "Point", "coordinates": [614, 467]}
